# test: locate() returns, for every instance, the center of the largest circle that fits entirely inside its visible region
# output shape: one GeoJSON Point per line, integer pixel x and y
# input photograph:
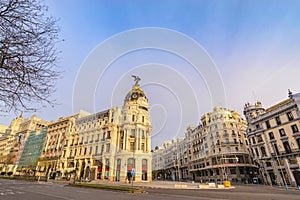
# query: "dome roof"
{"type": "Point", "coordinates": [135, 93]}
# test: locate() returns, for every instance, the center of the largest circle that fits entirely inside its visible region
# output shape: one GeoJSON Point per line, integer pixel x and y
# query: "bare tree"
{"type": "Point", "coordinates": [28, 55]}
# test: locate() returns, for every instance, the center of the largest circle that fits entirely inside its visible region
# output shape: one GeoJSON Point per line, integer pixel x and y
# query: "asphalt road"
{"type": "Point", "coordinates": [20, 190]}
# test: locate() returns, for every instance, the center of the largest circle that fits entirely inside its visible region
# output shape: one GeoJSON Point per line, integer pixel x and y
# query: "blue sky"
{"type": "Point", "coordinates": [255, 46]}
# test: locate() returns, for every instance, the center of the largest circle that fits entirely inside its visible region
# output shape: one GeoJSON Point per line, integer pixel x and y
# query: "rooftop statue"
{"type": "Point", "coordinates": [136, 79]}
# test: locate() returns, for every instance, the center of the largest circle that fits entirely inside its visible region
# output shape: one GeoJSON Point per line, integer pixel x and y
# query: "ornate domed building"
{"type": "Point", "coordinates": [135, 136]}
{"type": "Point", "coordinates": [113, 144]}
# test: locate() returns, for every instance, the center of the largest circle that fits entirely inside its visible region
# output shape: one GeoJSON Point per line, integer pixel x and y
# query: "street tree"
{"type": "Point", "coordinates": [28, 55]}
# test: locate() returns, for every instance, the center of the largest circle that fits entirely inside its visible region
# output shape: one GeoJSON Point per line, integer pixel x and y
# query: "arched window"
{"type": "Point", "coordinates": [144, 169]}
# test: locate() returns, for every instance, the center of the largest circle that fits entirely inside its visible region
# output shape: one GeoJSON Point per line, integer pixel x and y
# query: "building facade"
{"type": "Point", "coordinates": [274, 139]}
{"type": "Point", "coordinates": [219, 149]}
{"type": "Point", "coordinates": [32, 150]}
{"type": "Point", "coordinates": [112, 144]}
{"type": "Point", "coordinates": [33, 123]}
{"type": "Point", "coordinates": [51, 162]}
{"type": "Point", "coordinates": [91, 145]}
{"type": "Point", "coordinates": [9, 144]}
{"type": "Point", "coordinates": [215, 150]}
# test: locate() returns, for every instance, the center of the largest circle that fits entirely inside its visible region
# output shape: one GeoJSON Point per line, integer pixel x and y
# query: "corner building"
{"type": "Point", "coordinates": [111, 144]}
{"type": "Point", "coordinates": [274, 140]}
{"type": "Point", "coordinates": [219, 149]}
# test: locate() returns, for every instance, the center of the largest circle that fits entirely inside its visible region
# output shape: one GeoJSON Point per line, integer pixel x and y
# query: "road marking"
{"type": "Point", "coordinates": [51, 195]}
{"type": "Point", "coordinates": [82, 191]}
{"type": "Point", "coordinates": [191, 197]}
{"type": "Point", "coordinates": [10, 193]}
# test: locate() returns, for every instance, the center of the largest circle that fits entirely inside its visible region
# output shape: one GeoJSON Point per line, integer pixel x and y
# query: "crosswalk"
{"type": "Point", "coordinates": [5, 192]}
{"type": "Point", "coordinates": [19, 188]}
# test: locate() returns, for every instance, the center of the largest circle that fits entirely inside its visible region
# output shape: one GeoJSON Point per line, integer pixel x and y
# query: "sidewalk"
{"type": "Point", "coordinates": [161, 184]}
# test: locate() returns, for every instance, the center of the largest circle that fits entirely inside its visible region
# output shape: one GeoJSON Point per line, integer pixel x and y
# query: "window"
{"type": "Point", "coordinates": [271, 136]}
{"type": "Point", "coordinates": [233, 133]}
{"type": "Point", "coordinates": [96, 151]}
{"type": "Point", "coordinates": [259, 138]}
{"type": "Point", "coordinates": [132, 144]}
{"type": "Point", "coordinates": [108, 134]}
{"type": "Point", "coordinates": [143, 118]}
{"type": "Point", "coordinates": [295, 128]}
{"type": "Point", "coordinates": [130, 163]}
{"type": "Point", "coordinates": [232, 170]}
{"type": "Point", "coordinates": [253, 141]}
{"type": "Point", "coordinates": [102, 148]}
{"type": "Point", "coordinates": [298, 142]}
{"type": "Point", "coordinates": [268, 124]}
{"type": "Point", "coordinates": [144, 169]}
{"type": "Point", "coordinates": [263, 151]}
{"type": "Point", "coordinates": [242, 171]}
{"type": "Point", "coordinates": [292, 161]}
{"type": "Point", "coordinates": [257, 126]}
{"type": "Point", "coordinates": [91, 150]}
{"type": "Point", "coordinates": [256, 151]}
{"type": "Point", "coordinates": [276, 149]}
{"type": "Point", "coordinates": [225, 133]}
{"type": "Point", "coordinates": [282, 132]}
{"type": "Point", "coordinates": [132, 135]}
{"type": "Point", "coordinates": [107, 148]}
{"type": "Point", "coordinates": [133, 118]}
{"type": "Point", "coordinates": [287, 147]}
{"type": "Point", "coordinates": [269, 164]}
{"type": "Point", "coordinates": [143, 147]}
{"type": "Point", "coordinates": [278, 121]}
{"type": "Point", "coordinates": [228, 149]}
{"type": "Point", "coordinates": [290, 116]}
{"type": "Point", "coordinates": [143, 134]}
{"type": "Point", "coordinates": [227, 141]}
